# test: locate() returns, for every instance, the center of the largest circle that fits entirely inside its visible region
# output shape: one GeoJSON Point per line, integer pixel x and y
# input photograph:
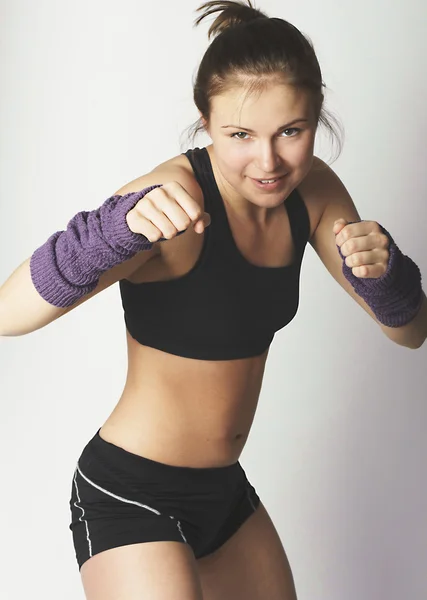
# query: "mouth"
{"type": "Point", "coordinates": [269, 184]}
{"type": "Point", "coordinates": [268, 179]}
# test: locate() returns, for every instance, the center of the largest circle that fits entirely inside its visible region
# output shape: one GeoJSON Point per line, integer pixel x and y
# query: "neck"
{"type": "Point", "coordinates": [244, 210]}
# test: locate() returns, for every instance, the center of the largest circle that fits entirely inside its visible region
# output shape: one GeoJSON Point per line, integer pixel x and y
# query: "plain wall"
{"type": "Point", "coordinates": [95, 94]}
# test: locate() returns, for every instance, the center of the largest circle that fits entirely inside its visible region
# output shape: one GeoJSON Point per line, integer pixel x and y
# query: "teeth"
{"type": "Point", "coordinates": [268, 180]}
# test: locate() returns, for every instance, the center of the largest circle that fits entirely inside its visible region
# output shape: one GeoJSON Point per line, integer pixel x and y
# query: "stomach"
{"type": "Point", "coordinates": [185, 412]}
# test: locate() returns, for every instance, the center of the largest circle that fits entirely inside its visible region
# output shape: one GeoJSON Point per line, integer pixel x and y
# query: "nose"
{"type": "Point", "coordinates": [267, 159]}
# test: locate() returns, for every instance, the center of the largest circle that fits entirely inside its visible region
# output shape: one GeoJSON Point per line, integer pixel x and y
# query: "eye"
{"type": "Point", "coordinates": [295, 129]}
{"type": "Point", "coordinates": [292, 129]}
{"type": "Point", "coordinates": [237, 133]}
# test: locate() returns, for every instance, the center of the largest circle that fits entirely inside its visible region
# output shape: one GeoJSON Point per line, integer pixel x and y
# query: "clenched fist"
{"type": "Point", "coordinates": [166, 211]}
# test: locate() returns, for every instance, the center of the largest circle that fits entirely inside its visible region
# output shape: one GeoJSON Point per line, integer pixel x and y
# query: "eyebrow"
{"type": "Point", "coordinates": [279, 129]}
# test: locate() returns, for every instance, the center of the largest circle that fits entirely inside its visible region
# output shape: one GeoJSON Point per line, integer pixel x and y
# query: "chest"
{"type": "Point", "coordinates": [270, 246]}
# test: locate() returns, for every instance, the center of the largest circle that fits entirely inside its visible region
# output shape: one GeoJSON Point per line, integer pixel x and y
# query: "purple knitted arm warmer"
{"type": "Point", "coordinates": [396, 297]}
{"type": "Point", "coordinates": [70, 262]}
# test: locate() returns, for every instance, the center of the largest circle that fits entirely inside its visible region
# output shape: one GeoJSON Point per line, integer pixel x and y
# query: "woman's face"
{"type": "Point", "coordinates": [267, 135]}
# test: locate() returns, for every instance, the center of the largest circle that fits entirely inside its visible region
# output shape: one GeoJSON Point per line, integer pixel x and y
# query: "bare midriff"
{"type": "Point", "coordinates": [184, 411]}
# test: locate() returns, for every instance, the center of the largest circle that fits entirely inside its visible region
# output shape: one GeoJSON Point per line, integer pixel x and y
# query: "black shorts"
{"type": "Point", "coordinates": [121, 498]}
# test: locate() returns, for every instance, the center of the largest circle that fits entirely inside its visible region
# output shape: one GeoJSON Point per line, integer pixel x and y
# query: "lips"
{"type": "Point", "coordinates": [268, 187]}
{"type": "Point", "coordinates": [267, 178]}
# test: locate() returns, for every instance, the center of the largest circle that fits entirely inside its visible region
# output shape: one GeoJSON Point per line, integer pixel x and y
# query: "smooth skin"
{"type": "Point", "coordinates": [252, 565]}
{"type": "Point", "coordinates": [153, 570]}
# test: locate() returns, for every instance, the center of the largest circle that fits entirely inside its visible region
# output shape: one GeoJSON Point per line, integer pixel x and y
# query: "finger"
{"type": "Point", "coordinates": [169, 207]}
{"type": "Point", "coordinates": [188, 204]}
{"type": "Point", "coordinates": [369, 271]}
{"type": "Point", "coordinates": [339, 226]}
{"type": "Point", "coordinates": [357, 229]}
{"type": "Point", "coordinates": [370, 257]}
{"type": "Point", "coordinates": [139, 224]}
{"type": "Point", "coordinates": [198, 227]}
{"type": "Point", "coordinates": [165, 212]}
{"type": "Point", "coordinates": [202, 223]}
{"type": "Point", "coordinates": [361, 243]}
{"type": "Point", "coordinates": [153, 222]}
{"type": "Point", "coordinates": [206, 219]}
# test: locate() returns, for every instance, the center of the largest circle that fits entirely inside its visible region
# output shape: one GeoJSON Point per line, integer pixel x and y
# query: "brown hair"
{"type": "Point", "coordinates": [251, 50]}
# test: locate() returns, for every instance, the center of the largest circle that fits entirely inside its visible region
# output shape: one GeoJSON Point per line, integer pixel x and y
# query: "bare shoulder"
{"type": "Point", "coordinates": [315, 189]}
{"type": "Point", "coordinates": [177, 169]}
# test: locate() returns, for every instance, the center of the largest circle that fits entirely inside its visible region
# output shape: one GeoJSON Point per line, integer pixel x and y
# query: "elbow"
{"type": "Point", "coordinates": [412, 335]}
{"type": "Point", "coordinates": [413, 343]}
{"type": "Point", "coordinates": [12, 333]}
{"type": "Point", "coordinates": [417, 346]}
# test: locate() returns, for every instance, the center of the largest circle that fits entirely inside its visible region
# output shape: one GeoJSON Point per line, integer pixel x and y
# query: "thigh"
{"type": "Point", "coordinates": [251, 565]}
{"type": "Point", "coordinates": [152, 571]}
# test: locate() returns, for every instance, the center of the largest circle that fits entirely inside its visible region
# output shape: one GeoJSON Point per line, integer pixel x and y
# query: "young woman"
{"type": "Point", "coordinates": [207, 248]}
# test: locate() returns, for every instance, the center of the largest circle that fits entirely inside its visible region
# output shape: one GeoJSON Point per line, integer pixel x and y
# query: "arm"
{"type": "Point", "coordinates": [325, 187]}
{"type": "Point", "coordinates": [23, 309]}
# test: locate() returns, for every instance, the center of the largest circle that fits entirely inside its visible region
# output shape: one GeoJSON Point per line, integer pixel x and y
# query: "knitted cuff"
{"type": "Point", "coordinates": [396, 296]}
{"type": "Point", "coordinates": [68, 265]}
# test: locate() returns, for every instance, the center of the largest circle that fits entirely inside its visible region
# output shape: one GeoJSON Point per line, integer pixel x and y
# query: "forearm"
{"type": "Point", "coordinates": [22, 309]}
{"type": "Point", "coordinates": [395, 299]}
{"type": "Point", "coordinates": [413, 334]}
{"type": "Point", "coordinates": [68, 267]}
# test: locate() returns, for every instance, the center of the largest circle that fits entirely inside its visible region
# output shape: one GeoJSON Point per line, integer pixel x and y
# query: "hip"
{"type": "Point", "coordinates": [174, 446]}
{"type": "Point", "coordinates": [120, 498]}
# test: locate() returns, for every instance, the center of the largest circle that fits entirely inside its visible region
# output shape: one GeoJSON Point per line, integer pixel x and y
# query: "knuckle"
{"type": "Point", "coordinates": [130, 220]}
{"type": "Point", "coordinates": [382, 240]}
{"type": "Point", "coordinates": [148, 198]}
{"type": "Point", "coordinates": [172, 186]}
{"type": "Point", "coordinates": [351, 246]}
{"type": "Point", "coordinates": [155, 234]}
{"type": "Point", "coordinates": [142, 204]}
{"type": "Point", "coordinates": [197, 212]}
{"type": "Point", "coordinates": [344, 234]}
{"type": "Point", "coordinates": [185, 224]}
{"type": "Point", "coordinates": [169, 233]}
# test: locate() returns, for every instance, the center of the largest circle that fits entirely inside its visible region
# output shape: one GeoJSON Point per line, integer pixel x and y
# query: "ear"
{"type": "Point", "coordinates": [205, 123]}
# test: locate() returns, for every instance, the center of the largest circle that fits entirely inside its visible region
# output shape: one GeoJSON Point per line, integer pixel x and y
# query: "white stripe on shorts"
{"type": "Point", "coordinates": [122, 499]}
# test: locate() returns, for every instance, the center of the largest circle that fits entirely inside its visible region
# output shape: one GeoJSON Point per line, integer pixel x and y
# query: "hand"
{"type": "Point", "coordinates": [364, 247]}
{"type": "Point", "coordinates": [165, 211]}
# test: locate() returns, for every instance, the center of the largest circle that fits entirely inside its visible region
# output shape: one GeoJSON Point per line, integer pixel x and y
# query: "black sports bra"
{"type": "Point", "coordinates": [224, 307]}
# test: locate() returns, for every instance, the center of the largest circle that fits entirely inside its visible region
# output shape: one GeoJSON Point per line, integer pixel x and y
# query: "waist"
{"type": "Point", "coordinates": [182, 415]}
{"type": "Point", "coordinates": [171, 448]}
